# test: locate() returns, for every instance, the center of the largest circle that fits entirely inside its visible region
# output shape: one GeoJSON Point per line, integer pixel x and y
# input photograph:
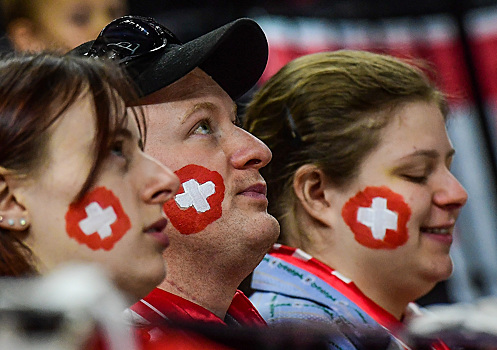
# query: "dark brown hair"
{"type": "Point", "coordinates": [36, 90]}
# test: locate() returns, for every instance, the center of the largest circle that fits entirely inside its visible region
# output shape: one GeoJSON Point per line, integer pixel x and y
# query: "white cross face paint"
{"type": "Point", "coordinates": [199, 202]}
{"type": "Point", "coordinates": [97, 220]}
{"type": "Point", "coordinates": [378, 218]}
{"type": "Point", "coordinates": [196, 195]}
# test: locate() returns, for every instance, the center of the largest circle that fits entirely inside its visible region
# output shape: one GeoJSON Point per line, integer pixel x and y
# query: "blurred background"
{"type": "Point", "coordinates": [458, 38]}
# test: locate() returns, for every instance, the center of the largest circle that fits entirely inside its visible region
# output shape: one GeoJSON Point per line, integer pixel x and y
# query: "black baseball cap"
{"type": "Point", "coordinates": [234, 55]}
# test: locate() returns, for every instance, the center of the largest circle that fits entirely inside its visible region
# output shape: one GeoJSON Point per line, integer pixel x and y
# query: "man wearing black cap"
{"type": "Point", "coordinates": [219, 228]}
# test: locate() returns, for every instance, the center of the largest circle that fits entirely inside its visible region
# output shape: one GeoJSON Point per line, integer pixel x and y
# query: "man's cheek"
{"type": "Point", "coordinates": [199, 199]}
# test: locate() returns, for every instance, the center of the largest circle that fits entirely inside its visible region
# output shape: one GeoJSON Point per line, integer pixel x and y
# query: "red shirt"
{"type": "Point", "coordinates": [160, 305]}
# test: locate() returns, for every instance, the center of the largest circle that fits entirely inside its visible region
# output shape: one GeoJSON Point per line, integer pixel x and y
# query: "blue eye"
{"type": "Point", "coordinates": [203, 128]}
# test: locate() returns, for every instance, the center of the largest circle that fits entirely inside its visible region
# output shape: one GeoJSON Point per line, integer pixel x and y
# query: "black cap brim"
{"type": "Point", "coordinates": [234, 55]}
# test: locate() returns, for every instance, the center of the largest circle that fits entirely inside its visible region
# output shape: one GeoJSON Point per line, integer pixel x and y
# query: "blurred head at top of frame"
{"type": "Point", "coordinates": [69, 144]}
{"type": "Point", "coordinates": [57, 24]}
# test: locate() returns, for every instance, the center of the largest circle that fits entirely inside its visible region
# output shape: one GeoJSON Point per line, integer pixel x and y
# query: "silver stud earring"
{"type": "Point", "coordinates": [22, 221]}
{"type": "Point", "coordinates": [11, 222]}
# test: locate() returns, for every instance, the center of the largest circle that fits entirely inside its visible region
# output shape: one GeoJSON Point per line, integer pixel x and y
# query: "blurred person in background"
{"type": "Point", "coordinates": [34, 25]}
{"type": "Point", "coordinates": [360, 182]}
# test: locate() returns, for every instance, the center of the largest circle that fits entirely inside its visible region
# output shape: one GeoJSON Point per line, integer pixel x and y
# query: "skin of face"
{"type": "Point", "coordinates": [65, 24]}
{"type": "Point", "coordinates": [140, 184]}
{"type": "Point", "coordinates": [413, 160]}
{"type": "Point", "coordinates": [193, 121]}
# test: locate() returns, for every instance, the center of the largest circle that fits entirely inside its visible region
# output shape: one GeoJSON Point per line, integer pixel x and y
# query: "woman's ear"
{"type": "Point", "coordinates": [13, 215]}
{"type": "Point", "coordinates": [309, 184]}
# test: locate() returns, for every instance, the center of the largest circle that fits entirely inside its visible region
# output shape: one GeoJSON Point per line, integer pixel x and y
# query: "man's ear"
{"type": "Point", "coordinates": [23, 35]}
{"type": "Point", "coordinates": [309, 184]}
{"type": "Point", "coordinates": [13, 215]}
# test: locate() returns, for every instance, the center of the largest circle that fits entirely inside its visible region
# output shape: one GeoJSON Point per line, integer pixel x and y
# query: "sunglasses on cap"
{"type": "Point", "coordinates": [131, 39]}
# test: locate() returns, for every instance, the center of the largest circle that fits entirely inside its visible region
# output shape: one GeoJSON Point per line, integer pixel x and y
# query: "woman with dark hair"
{"type": "Point", "coordinates": [360, 182]}
{"type": "Point", "coordinates": [75, 184]}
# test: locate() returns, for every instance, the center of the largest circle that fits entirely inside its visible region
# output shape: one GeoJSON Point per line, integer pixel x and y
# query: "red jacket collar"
{"type": "Point", "coordinates": [160, 305]}
{"type": "Point", "coordinates": [300, 259]}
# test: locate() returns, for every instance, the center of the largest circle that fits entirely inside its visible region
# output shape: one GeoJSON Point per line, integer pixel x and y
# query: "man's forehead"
{"type": "Point", "coordinates": [195, 84]}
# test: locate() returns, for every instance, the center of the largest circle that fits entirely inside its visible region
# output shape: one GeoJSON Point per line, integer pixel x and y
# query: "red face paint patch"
{"type": "Point", "coordinates": [198, 202]}
{"type": "Point", "coordinates": [97, 220]}
{"type": "Point", "coordinates": [378, 218]}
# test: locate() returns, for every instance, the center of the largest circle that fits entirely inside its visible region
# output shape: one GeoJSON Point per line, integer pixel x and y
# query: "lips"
{"type": "Point", "coordinates": [157, 231]}
{"type": "Point", "coordinates": [256, 190]}
{"type": "Point", "coordinates": [440, 233]}
{"type": "Point", "coordinates": [438, 230]}
{"type": "Point", "coordinates": [159, 225]}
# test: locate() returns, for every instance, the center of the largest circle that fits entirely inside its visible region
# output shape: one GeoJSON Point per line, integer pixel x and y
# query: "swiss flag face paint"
{"type": "Point", "coordinates": [97, 220]}
{"type": "Point", "coordinates": [198, 202]}
{"type": "Point", "coordinates": [378, 218]}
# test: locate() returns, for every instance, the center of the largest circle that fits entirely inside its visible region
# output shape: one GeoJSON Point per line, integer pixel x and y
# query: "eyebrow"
{"type": "Point", "coordinates": [429, 154]}
{"type": "Point", "coordinates": [198, 106]}
{"type": "Point", "coordinates": [205, 105]}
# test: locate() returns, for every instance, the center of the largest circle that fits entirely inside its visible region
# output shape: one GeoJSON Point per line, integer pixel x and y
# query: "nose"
{"type": "Point", "coordinates": [451, 194]}
{"type": "Point", "coordinates": [249, 151]}
{"type": "Point", "coordinates": [159, 182]}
